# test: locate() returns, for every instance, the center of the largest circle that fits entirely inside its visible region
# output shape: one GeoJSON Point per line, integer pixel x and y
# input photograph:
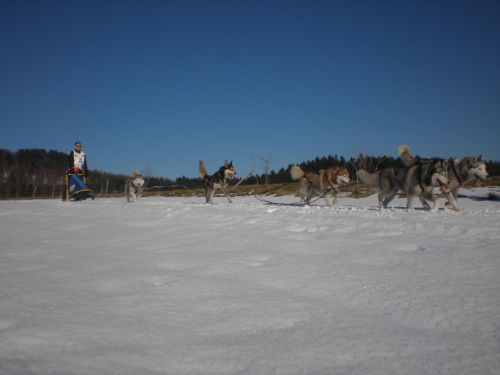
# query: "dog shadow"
{"type": "Point", "coordinates": [490, 197]}
{"type": "Point", "coordinates": [416, 209]}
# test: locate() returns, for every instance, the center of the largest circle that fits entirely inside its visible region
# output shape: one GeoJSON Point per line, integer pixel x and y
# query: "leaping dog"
{"type": "Point", "coordinates": [216, 181]}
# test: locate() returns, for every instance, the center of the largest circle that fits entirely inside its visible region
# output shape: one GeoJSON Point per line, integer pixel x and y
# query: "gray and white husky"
{"type": "Point", "coordinates": [216, 181]}
{"type": "Point", "coordinates": [460, 172]}
{"type": "Point", "coordinates": [134, 187]}
{"type": "Point", "coordinates": [417, 180]}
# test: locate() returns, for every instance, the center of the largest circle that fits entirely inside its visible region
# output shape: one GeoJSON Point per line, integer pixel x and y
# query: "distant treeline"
{"type": "Point", "coordinates": [38, 173]}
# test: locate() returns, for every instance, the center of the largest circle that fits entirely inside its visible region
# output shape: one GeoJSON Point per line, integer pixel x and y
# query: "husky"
{"type": "Point", "coordinates": [460, 172]}
{"type": "Point", "coordinates": [216, 181]}
{"type": "Point", "coordinates": [417, 180]}
{"type": "Point", "coordinates": [325, 183]}
{"type": "Point", "coordinates": [134, 187]}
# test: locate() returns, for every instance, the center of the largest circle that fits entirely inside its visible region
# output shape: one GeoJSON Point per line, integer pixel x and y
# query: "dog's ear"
{"type": "Point", "coordinates": [337, 168]}
{"type": "Point", "coordinates": [480, 158]}
{"type": "Point", "coordinates": [473, 159]}
{"type": "Point", "coordinates": [225, 163]}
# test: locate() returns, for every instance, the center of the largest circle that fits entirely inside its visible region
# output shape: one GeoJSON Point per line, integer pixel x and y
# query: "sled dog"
{"type": "Point", "coordinates": [417, 180]}
{"type": "Point", "coordinates": [216, 181]}
{"type": "Point", "coordinates": [325, 182]}
{"type": "Point", "coordinates": [460, 172]}
{"type": "Point", "coordinates": [134, 187]}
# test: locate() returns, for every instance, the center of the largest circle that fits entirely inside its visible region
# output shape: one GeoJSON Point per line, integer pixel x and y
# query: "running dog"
{"type": "Point", "coordinates": [460, 172]}
{"type": "Point", "coordinates": [134, 187]}
{"type": "Point", "coordinates": [417, 180]}
{"type": "Point", "coordinates": [325, 183]}
{"type": "Point", "coordinates": [216, 181]}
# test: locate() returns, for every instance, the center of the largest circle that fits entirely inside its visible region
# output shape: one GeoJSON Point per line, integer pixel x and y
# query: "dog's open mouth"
{"type": "Point", "coordinates": [231, 176]}
{"type": "Point", "coordinates": [443, 188]}
{"type": "Point", "coordinates": [479, 181]}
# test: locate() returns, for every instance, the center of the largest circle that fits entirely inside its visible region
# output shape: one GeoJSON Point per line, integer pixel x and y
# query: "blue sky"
{"type": "Point", "coordinates": [173, 82]}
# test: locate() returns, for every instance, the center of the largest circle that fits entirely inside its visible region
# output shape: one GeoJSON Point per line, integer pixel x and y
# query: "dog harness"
{"type": "Point", "coordinates": [453, 169]}
{"type": "Point", "coordinates": [217, 178]}
{"type": "Point", "coordinates": [321, 173]}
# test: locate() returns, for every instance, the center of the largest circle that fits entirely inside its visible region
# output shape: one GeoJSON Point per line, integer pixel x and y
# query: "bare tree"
{"type": "Point", "coordinates": [147, 172]}
{"type": "Point", "coordinates": [265, 164]}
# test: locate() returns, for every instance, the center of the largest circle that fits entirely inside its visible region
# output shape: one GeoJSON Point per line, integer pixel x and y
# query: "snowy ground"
{"type": "Point", "coordinates": [173, 286]}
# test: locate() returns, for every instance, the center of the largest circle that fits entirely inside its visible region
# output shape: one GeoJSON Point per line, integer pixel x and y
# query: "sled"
{"type": "Point", "coordinates": [76, 189]}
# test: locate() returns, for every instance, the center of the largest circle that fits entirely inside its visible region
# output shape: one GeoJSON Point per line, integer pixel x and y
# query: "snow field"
{"type": "Point", "coordinates": [173, 286]}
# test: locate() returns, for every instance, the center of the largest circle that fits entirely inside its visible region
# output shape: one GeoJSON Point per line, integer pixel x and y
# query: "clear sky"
{"type": "Point", "coordinates": [173, 82]}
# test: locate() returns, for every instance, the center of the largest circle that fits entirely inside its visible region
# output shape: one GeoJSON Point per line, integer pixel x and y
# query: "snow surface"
{"type": "Point", "coordinates": [173, 286]}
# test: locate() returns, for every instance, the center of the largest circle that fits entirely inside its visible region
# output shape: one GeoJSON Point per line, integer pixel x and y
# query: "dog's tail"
{"type": "Point", "coordinates": [134, 173]}
{"type": "Point", "coordinates": [368, 178]}
{"type": "Point", "coordinates": [296, 172]}
{"type": "Point", "coordinates": [202, 170]}
{"type": "Point", "coordinates": [404, 151]}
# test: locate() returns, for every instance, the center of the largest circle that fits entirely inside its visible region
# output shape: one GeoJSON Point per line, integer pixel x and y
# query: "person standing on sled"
{"type": "Point", "coordinates": [75, 176]}
{"type": "Point", "coordinates": [77, 161]}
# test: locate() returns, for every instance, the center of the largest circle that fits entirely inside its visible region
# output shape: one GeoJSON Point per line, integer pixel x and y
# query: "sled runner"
{"type": "Point", "coordinates": [76, 189]}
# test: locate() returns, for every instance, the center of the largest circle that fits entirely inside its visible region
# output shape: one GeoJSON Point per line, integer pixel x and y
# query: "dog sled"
{"type": "Point", "coordinates": [76, 190]}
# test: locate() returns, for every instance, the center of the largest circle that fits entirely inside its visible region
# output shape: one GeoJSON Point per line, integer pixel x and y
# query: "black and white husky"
{"type": "Point", "coordinates": [460, 172]}
{"type": "Point", "coordinates": [134, 187]}
{"type": "Point", "coordinates": [216, 181]}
